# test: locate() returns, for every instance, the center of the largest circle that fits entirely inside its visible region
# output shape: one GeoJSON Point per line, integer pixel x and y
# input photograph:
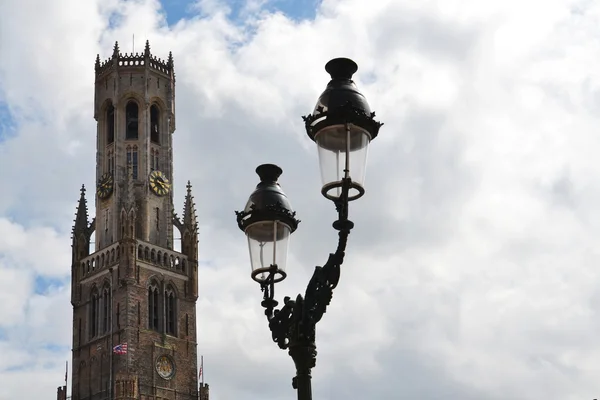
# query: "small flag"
{"type": "Point", "coordinates": [120, 349]}
{"type": "Point", "coordinates": [201, 371]}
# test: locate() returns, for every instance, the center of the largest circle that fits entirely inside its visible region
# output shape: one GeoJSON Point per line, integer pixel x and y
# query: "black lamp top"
{"type": "Point", "coordinates": [268, 202]}
{"type": "Point", "coordinates": [268, 192]}
{"type": "Point", "coordinates": [341, 89]}
{"type": "Point", "coordinates": [341, 68]}
{"type": "Point", "coordinates": [341, 102]}
{"type": "Point", "coordinates": [268, 172]}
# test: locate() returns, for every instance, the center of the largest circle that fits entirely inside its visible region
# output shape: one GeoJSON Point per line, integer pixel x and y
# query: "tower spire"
{"type": "Point", "coordinates": [147, 48]}
{"type": "Point", "coordinates": [188, 227]}
{"type": "Point", "coordinates": [116, 50]}
{"type": "Point", "coordinates": [82, 231]}
{"type": "Point", "coordinates": [189, 211]}
{"type": "Point", "coordinates": [81, 216]}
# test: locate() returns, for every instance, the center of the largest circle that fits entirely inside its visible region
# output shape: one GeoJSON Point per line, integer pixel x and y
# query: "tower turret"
{"type": "Point", "coordinates": [81, 236]}
{"type": "Point", "coordinates": [189, 239]}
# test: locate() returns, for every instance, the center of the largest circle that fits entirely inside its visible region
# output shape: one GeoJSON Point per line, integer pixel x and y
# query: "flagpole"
{"type": "Point", "coordinates": [66, 374]}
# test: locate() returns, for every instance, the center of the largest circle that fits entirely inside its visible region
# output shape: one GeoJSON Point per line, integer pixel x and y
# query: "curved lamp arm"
{"type": "Point", "coordinates": [293, 326]}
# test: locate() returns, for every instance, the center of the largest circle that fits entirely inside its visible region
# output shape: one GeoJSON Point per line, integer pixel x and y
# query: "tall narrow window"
{"type": "Point", "coordinates": [110, 161]}
{"type": "Point", "coordinates": [106, 219]}
{"type": "Point", "coordinates": [154, 124]}
{"type": "Point", "coordinates": [134, 163]}
{"type": "Point", "coordinates": [132, 159]}
{"type": "Point", "coordinates": [110, 124]}
{"type": "Point", "coordinates": [94, 308]}
{"type": "Point", "coordinates": [105, 309]}
{"type": "Point", "coordinates": [151, 159]}
{"type": "Point", "coordinates": [81, 382]}
{"type": "Point", "coordinates": [153, 307]}
{"type": "Point", "coordinates": [131, 119]}
{"type": "Point", "coordinates": [156, 160]}
{"type": "Point", "coordinates": [170, 311]}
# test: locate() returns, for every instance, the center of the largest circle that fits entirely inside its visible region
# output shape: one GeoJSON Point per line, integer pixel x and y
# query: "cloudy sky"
{"type": "Point", "coordinates": [472, 272]}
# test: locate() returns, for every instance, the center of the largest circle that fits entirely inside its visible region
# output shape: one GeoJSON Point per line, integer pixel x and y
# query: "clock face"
{"type": "Point", "coordinates": [165, 367]}
{"type": "Point", "coordinates": [105, 186]}
{"type": "Point", "coordinates": [159, 183]}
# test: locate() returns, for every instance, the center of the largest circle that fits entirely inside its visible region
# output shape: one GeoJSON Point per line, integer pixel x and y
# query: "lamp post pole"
{"type": "Point", "coordinates": [342, 125]}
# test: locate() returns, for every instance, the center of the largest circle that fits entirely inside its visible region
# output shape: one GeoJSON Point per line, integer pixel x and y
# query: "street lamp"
{"type": "Point", "coordinates": [342, 125]}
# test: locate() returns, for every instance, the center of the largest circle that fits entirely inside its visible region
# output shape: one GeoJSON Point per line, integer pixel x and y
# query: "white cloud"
{"type": "Point", "coordinates": [471, 273]}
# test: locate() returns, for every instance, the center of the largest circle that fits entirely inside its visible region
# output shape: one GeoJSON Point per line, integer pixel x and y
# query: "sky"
{"type": "Point", "coordinates": [472, 271]}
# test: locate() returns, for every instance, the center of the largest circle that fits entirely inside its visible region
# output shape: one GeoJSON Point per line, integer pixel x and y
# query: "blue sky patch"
{"type": "Point", "coordinates": [295, 9]}
{"type": "Point", "coordinates": [45, 284]}
{"type": "Point", "coordinates": [7, 122]}
{"type": "Point", "coordinates": [55, 348]}
{"type": "Point", "coordinates": [17, 368]}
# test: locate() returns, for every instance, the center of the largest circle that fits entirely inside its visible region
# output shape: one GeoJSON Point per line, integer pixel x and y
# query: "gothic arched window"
{"type": "Point", "coordinates": [171, 314]}
{"type": "Point", "coordinates": [131, 120]}
{"type": "Point", "coordinates": [154, 124]}
{"type": "Point", "coordinates": [153, 307]}
{"type": "Point", "coordinates": [94, 311]}
{"type": "Point", "coordinates": [110, 124]}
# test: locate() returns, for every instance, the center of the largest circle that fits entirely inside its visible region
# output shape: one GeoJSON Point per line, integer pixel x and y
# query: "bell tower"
{"type": "Point", "coordinates": [134, 296]}
{"type": "Point", "coordinates": [135, 110]}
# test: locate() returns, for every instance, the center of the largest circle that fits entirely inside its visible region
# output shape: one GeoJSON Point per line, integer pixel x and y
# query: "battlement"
{"type": "Point", "coordinates": [120, 61]}
{"type": "Point", "coordinates": [61, 393]}
{"type": "Point", "coordinates": [203, 393]}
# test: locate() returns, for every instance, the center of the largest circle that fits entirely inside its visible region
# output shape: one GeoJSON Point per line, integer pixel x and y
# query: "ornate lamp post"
{"type": "Point", "coordinates": [342, 125]}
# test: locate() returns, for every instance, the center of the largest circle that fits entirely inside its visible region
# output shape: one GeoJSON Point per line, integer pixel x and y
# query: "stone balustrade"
{"type": "Point", "coordinates": [101, 259]}
{"type": "Point", "coordinates": [147, 252]}
{"type": "Point", "coordinates": [161, 257]}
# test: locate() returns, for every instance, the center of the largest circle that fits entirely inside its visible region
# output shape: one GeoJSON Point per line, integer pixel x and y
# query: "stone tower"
{"type": "Point", "coordinates": [133, 295]}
